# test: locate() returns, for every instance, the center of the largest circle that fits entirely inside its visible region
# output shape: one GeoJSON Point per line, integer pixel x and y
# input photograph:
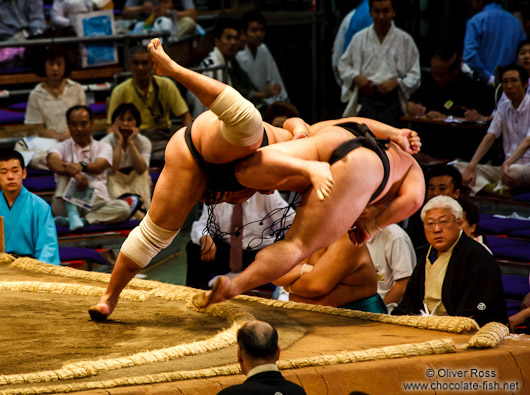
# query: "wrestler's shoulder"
{"type": "Point", "coordinates": [275, 134]}
{"type": "Point", "coordinates": [400, 159]}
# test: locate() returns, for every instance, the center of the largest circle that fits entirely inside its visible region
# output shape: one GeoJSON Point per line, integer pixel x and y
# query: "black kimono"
{"type": "Point", "coordinates": [472, 285]}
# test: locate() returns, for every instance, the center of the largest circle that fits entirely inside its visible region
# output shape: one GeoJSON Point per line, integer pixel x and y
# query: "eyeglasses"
{"type": "Point", "coordinates": [444, 223]}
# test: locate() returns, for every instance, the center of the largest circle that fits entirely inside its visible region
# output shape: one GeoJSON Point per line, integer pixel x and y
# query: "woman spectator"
{"type": "Point", "coordinates": [131, 155]}
{"type": "Point", "coordinates": [50, 99]}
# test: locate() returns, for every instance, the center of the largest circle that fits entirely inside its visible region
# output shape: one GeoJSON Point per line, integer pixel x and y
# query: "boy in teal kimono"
{"type": "Point", "coordinates": [29, 228]}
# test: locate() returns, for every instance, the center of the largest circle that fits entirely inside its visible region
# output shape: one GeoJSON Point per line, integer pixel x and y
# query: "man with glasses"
{"type": "Point", "coordinates": [457, 276]}
{"type": "Point", "coordinates": [512, 121]}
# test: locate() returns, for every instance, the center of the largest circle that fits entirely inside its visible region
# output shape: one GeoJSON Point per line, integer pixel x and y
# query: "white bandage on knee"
{"type": "Point", "coordinates": [242, 124]}
{"type": "Point", "coordinates": [146, 240]}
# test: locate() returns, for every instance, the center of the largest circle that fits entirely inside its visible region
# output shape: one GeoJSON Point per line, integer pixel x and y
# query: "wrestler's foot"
{"type": "Point", "coordinates": [160, 58]}
{"type": "Point", "coordinates": [219, 292]}
{"type": "Point", "coordinates": [99, 312]}
{"type": "Point", "coordinates": [320, 175]}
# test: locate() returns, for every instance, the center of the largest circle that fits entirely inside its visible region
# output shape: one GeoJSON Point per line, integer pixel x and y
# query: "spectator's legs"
{"type": "Point", "coordinates": [108, 212]}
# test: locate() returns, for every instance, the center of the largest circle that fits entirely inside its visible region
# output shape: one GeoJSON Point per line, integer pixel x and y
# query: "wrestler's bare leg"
{"type": "Point", "coordinates": [210, 142]}
{"type": "Point", "coordinates": [205, 88]}
{"type": "Point", "coordinates": [124, 270]}
{"type": "Point", "coordinates": [178, 189]}
{"type": "Point", "coordinates": [317, 224]}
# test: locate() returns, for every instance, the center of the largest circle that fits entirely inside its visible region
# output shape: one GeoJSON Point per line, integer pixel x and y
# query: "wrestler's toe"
{"type": "Point", "coordinates": [97, 315]}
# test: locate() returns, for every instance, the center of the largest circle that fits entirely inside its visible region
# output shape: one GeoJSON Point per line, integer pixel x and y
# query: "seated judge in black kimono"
{"type": "Point", "coordinates": [456, 275]}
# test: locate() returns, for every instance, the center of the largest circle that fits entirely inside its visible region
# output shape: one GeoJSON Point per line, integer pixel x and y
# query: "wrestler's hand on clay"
{"type": "Point", "coordinates": [161, 61]}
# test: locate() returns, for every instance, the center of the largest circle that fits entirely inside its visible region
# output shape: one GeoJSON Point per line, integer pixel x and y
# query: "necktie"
{"type": "Point", "coordinates": [236, 239]}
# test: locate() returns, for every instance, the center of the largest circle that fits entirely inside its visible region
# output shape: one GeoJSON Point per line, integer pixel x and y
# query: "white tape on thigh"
{"type": "Point", "coordinates": [146, 240]}
{"type": "Point", "coordinates": [242, 124]}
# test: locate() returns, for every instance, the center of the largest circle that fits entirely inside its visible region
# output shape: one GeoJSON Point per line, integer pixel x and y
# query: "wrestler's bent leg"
{"type": "Point", "coordinates": [317, 224]}
{"type": "Point", "coordinates": [180, 186]}
{"type": "Point", "coordinates": [241, 124]}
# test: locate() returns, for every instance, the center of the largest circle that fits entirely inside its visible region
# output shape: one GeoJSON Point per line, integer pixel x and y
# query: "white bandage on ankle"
{"type": "Point", "coordinates": [242, 124]}
{"type": "Point", "coordinates": [146, 240]}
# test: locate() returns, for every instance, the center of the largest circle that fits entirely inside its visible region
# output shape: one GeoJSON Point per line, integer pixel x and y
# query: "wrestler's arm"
{"type": "Point", "coordinates": [338, 296]}
{"type": "Point", "coordinates": [329, 271]}
{"type": "Point", "coordinates": [306, 265]}
{"type": "Point", "coordinates": [408, 200]}
{"type": "Point", "coordinates": [408, 140]}
{"type": "Point", "coordinates": [297, 126]}
{"type": "Point", "coordinates": [395, 294]}
{"type": "Point", "coordinates": [291, 276]}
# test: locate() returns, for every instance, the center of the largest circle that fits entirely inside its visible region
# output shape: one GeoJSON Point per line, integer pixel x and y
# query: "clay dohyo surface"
{"type": "Point", "coordinates": [44, 331]}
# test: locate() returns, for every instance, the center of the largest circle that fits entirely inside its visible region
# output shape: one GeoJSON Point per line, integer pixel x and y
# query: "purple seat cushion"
{"type": "Point", "coordinates": [38, 184]}
{"type": "Point", "coordinates": [98, 108]}
{"type": "Point", "coordinates": [154, 176]}
{"type": "Point", "coordinates": [126, 225]}
{"type": "Point", "coordinates": [493, 225]}
{"type": "Point", "coordinates": [81, 253]}
{"type": "Point", "coordinates": [16, 69]}
{"type": "Point", "coordinates": [505, 248]}
{"type": "Point", "coordinates": [515, 287]}
{"type": "Point", "coordinates": [18, 106]}
{"type": "Point", "coordinates": [38, 172]}
{"type": "Point", "coordinates": [513, 306]}
{"type": "Point", "coordinates": [522, 197]}
{"type": "Point", "coordinates": [7, 116]}
{"type": "Point", "coordinates": [523, 233]}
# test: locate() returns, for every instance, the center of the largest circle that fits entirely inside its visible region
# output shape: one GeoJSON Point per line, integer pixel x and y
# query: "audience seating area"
{"type": "Point", "coordinates": [508, 237]}
{"type": "Point", "coordinates": [91, 246]}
